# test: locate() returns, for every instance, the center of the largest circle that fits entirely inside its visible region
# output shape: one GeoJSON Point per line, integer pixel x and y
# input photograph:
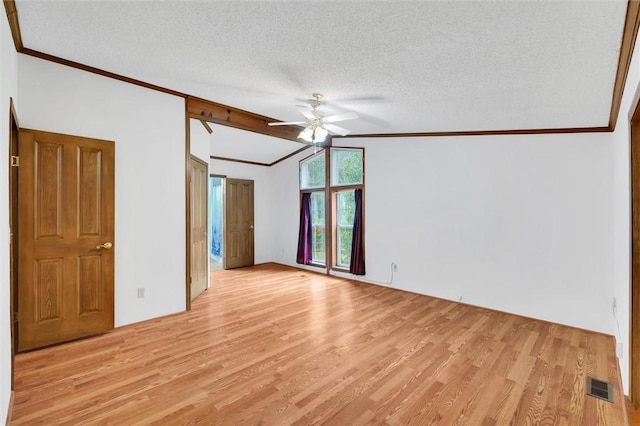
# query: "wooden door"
{"type": "Point", "coordinates": [66, 233]}
{"type": "Point", "coordinates": [238, 223]}
{"type": "Point", "coordinates": [199, 211]}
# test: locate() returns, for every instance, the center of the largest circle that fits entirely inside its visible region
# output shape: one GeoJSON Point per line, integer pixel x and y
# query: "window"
{"type": "Point", "coordinates": [347, 175]}
{"type": "Point", "coordinates": [346, 166]}
{"type": "Point", "coordinates": [345, 213]}
{"type": "Point", "coordinates": [313, 181]}
{"type": "Point", "coordinates": [332, 222]}
{"type": "Point", "coordinates": [318, 234]}
{"type": "Point", "coordinates": [312, 172]}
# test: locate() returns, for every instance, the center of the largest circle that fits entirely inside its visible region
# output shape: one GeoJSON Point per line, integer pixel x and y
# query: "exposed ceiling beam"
{"type": "Point", "coordinates": [234, 117]}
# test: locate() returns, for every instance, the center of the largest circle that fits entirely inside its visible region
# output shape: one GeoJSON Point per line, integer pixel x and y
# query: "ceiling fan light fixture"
{"type": "Point", "coordinates": [320, 134]}
{"type": "Point", "coordinates": [307, 135]}
{"type": "Point", "coordinates": [314, 134]}
{"type": "Point", "coordinates": [318, 125]}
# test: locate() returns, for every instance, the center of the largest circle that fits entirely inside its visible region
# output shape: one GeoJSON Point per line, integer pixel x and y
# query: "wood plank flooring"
{"type": "Point", "coordinates": [633, 413]}
{"type": "Point", "coordinates": [273, 345]}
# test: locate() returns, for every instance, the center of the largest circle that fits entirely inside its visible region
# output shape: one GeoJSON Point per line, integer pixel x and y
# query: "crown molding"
{"type": "Point", "coordinates": [94, 70]}
{"type": "Point", "coordinates": [629, 35]}
{"type": "Point", "coordinates": [246, 120]}
{"type": "Point", "coordinates": [14, 25]}
{"type": "Point", "coordinates": [486, 132]}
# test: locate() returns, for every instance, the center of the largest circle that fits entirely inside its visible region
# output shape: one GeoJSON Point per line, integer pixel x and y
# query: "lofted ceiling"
{"type": "Point", "coordinates": [403, 66]}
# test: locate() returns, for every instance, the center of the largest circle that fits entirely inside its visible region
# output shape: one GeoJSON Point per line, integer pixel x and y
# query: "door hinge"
{"type": "Point", "coordinates": [15, 161]}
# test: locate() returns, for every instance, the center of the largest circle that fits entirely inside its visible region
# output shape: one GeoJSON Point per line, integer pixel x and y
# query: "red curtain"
{"type": "Point", "coordinates": [357, 243]}
{"type": "Point", "coordinates": [304, 235]}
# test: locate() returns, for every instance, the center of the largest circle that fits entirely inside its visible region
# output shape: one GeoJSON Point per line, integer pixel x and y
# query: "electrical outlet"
{"type": "Point", "coordinates": [140, 292]}
{"type": "Point", "coordinates": [394, 267]}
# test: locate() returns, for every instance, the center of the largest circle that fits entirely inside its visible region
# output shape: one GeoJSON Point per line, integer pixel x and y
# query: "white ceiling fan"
{"type": "Point", "coordinates": [317, 125]}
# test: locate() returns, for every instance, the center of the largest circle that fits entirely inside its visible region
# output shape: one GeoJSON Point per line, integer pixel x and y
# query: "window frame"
{"type": "Point", "coordinates": [324, 225]}
{"type": "Point", "coordinates": [331, 169]}
{"type": "Point", "coordinates": [334, 189]}
{"type": "Point", "coordinates": [331, 214]}
{"type": "Point", "coordinates": [338, 227]}
{"type": "Point", "coordinates": [306, 160]}
{"type": "Point", "coordinates": [311, 191]}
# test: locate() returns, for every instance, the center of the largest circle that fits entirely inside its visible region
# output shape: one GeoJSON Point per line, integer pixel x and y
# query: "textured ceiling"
{"type": "Point", "coordinates": [403, 66]}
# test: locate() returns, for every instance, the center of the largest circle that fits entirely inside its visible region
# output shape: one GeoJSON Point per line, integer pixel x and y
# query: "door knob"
{"type": "Point", "coordinates": [250, 226]}
{"type": "Point", "coordinates": [105, 246]}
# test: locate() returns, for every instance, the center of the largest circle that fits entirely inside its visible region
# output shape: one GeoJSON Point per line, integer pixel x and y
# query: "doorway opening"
{"type": "Point", "coordinates": [216, 207]}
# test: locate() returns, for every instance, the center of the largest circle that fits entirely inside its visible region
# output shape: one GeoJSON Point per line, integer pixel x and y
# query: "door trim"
{"type": "Point", "coordinates": [634, 270]}
{"type": "Point", "coordinates": [14, 129]}
{"type": "Point", "coordinates": [187, 192]}
{"type": "Point", "coordinates": [634, 383]}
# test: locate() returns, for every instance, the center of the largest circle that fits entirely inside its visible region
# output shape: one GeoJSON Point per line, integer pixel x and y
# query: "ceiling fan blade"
{"type": "Point", "coordinates": [336, 129]}
{"type": "Point", "coordinates": [307, 111]}
{"type": "Point", "coordinates": [287, 123]}
{"type": "Point", "coordinates": [341, 117]}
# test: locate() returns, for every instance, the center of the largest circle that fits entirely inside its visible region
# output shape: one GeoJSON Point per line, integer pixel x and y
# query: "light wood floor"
{"type": "Point", "coordinates": [633, 413]}
{"type": "Point", "coordinates": [274, 345]}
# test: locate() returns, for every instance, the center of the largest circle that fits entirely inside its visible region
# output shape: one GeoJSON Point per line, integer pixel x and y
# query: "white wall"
{"type": "Point", "coordinates": [8, 89]}
{"type": "Point", "coordinates": [522, 224]}
{"type": "Point", "coordinates": [199, 140]}
{"type": "Point", "coordinates": [622, 219]}
{"type": "Point", "coordinates": [286, 211]}
{"type": "Point", "coordinates": [262, 207]}
{"type": "Point", "coordinates": [148, 128]}
{"type": "Point", "coordinates": [263, 226]}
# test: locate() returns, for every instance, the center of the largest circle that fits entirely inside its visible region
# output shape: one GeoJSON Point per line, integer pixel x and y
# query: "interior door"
{"type": "Point", "coordinates": [66, 230]}
{"type": "Point", "coordinates": [238, 224]}
{"type": "Point", "coordinates": [199, 212]}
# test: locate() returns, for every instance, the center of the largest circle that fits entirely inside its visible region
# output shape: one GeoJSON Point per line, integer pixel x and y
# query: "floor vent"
{"type": "Point", "coordinates": [599, 389]}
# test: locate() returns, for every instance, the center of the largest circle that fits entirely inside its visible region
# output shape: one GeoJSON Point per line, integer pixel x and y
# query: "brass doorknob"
{"type": "Point", "coordinates": [250, 226]}
{"type": "Point", "coordinates": [105, 246]}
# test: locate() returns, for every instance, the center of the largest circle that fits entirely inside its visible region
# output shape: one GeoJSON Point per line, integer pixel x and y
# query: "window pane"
{"type": "Point", "coordinates": [346, 166]}
{"type": "Point", "coordinates": [318, 250]}
{"type": "Point", "coordinates": [345, 211]}
{"type": "Point", "coordinates": [345, 236]}
{"type": "Point", "coordinates": [312, 172]}
{"type": "Point", "coordinates": [346, 208]}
